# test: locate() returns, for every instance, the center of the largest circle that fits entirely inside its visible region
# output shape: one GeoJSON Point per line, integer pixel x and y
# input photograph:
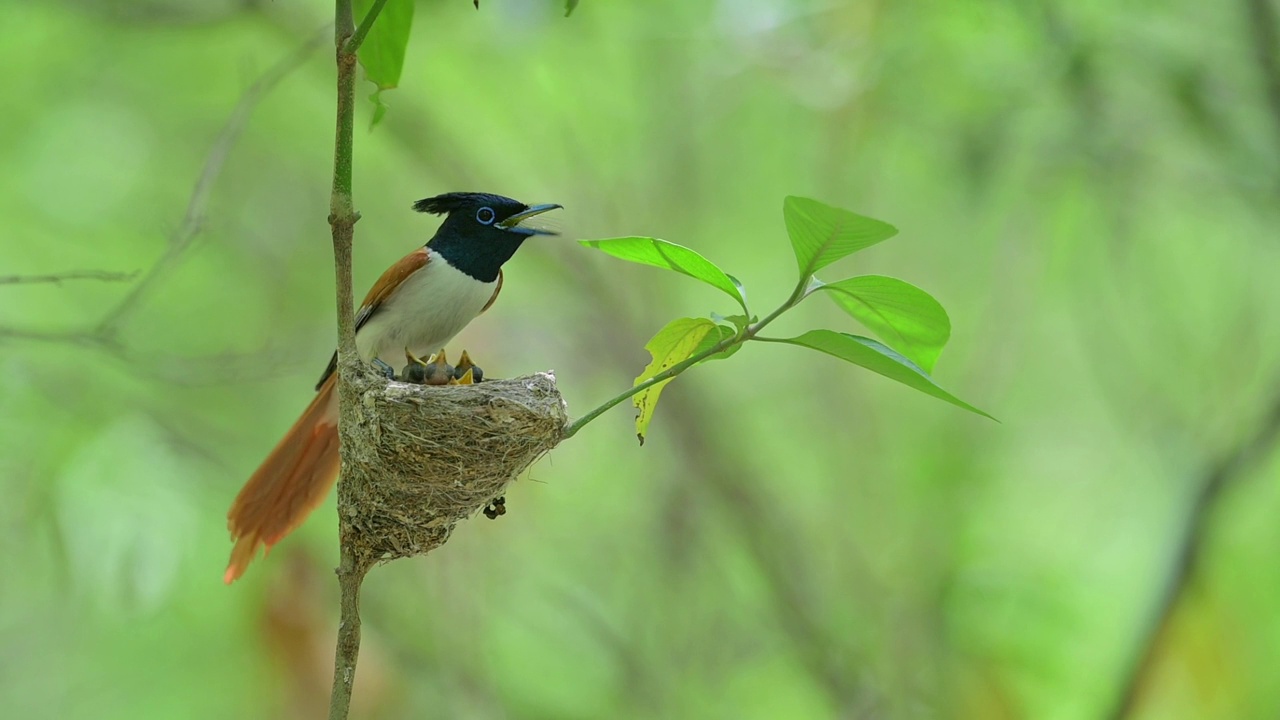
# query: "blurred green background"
{"type": "Point", "coordinates": [1092, 189]}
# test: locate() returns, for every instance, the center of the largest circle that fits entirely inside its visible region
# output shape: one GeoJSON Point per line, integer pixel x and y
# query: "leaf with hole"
{"type": "Point", "coordinates": [382, 52]}
{"type": "Point", "coordinates": [673, 344]}
{"type": "Point", "coordinates": [663, 254]}
{"type": "Point", "coordinates": [821, 234]}
{"type": "Point", "coordinates": [877, 358]}
{"type": "Point", "coordinates": [903, 315]}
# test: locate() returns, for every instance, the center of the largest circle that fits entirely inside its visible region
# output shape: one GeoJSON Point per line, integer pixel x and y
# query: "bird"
{"type": "Point", "coordinates": [416, 306]}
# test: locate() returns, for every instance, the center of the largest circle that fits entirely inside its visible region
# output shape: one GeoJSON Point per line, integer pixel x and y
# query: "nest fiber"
{"type": "Point", "coordinates": [419, 458]}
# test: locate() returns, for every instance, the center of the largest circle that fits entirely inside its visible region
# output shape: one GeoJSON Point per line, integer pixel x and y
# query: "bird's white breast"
{"type": "Point", "coordinates": [424, 313]}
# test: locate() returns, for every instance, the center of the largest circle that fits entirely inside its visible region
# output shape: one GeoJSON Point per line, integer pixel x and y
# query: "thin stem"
{"type": "Point", "coordinates": [357, 38]}
{"type": "Point", "coordinates": [667, 374]}
{"type": "Point", "coordinates": [342, 220]}
{"type": "Point", "coordinates": [56, 279]}
{"type": "Point", "coordinates": [746, 334]}
{"type": "Point", "coordinates": [342, 214]}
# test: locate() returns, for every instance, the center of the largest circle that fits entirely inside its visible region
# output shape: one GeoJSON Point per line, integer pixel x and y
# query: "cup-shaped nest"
{"type": "Point", "coordinates": [419, 458]}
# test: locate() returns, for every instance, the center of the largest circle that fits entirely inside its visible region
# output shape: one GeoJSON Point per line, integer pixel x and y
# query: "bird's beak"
{"type": "Point", "coordinates": [513, 223]}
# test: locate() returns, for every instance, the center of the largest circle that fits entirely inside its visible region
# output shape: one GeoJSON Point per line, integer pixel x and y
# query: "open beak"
{"type": "Point", "coordinates": [512, 223]}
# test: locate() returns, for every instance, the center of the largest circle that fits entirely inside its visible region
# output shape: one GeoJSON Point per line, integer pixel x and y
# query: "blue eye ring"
{"type": "Point", "coordinates": [486, 216]}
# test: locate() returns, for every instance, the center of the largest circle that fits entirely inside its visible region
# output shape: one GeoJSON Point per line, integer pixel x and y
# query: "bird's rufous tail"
{"type": "Point", "coordinates": [289, 484]}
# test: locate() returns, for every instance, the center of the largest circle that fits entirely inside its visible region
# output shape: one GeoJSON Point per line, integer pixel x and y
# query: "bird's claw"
{"type": "Point", "coordinates": [498, 506]}
{"type": "Point", "coordinates": [387, 371]}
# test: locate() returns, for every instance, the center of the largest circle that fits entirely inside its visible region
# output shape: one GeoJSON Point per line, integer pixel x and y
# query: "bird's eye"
{"type": "Point", "coordinates": [485, 216]}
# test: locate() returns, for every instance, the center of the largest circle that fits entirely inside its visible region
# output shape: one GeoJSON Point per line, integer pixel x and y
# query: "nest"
{"type": "Point", "coordinates": [419, 458]}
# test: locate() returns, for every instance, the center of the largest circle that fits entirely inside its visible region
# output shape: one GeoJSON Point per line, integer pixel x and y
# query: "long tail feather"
{"type": "Point", "coordinates": [289, 484]}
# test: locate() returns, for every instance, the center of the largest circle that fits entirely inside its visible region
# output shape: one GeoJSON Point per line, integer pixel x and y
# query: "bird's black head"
{"type": "Point", "coordinates": [480, 231]}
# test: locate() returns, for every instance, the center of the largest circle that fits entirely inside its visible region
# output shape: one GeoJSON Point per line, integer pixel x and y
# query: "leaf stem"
{"type": "Point", "coordinates": [357, 38]}
{"type": "Point", "coordinates": [747, 333]}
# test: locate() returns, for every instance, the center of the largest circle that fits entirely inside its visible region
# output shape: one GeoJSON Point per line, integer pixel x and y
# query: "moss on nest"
{"type": "Point", "coordinates": [420, 458]}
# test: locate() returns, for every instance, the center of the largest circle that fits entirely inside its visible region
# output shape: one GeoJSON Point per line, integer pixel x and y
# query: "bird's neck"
{"type": "Point", "coordinates": [479, 259]}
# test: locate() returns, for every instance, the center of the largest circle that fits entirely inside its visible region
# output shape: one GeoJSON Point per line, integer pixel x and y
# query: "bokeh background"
{"type": "Point", "coordinates": [1092, 189]}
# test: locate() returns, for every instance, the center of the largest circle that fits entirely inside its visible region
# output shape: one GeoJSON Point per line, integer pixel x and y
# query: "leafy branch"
{"type": "Point", "coordinates": [820, 234]}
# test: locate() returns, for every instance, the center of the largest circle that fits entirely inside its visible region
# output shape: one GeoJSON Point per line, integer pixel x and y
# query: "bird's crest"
{"type": "Point", "coordinates": [448, 202]}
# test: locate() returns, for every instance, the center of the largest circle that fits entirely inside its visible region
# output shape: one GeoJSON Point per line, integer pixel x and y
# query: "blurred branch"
{"type": "Point", "coordinates": [1266, 42]}
{"type": "Point", "coordinates": [104, 336]}
{"type": "Point", "coordinates": [197, 207]}
{"type": "Point", "coordinates": [58, 278]}
{"type": "Point", "coordinates": [1228, 470]}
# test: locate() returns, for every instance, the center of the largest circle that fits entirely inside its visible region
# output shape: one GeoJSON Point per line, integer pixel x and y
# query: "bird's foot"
{"type": "Point", "coordinates": [495, 508]}
{"type": "Point", "coordinates": [387, 371]}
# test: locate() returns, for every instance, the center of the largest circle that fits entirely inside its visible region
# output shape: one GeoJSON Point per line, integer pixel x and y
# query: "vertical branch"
{"type": "Point", "coordinates": [342, 214]}
{"type": "Point", "coordinates": [342, 220]}
{"type": "Point", "coordinates": [1266, 41]}
{"type": "Point", "coordinates": [351, 572]}
{"type": "Point", "coordinates": [1224, 473]}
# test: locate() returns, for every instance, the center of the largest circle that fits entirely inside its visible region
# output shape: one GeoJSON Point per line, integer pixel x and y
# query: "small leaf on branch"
{"type": "Point", "coordinates": [738, 321]}
{"type": "Point", "coordinates": [382, 53]}
{"type": "Point", "coordinates": [902, 314]}
{"type": "Point", "coordinates": [719, 333]}
{"type": "Point", "coordinates": [821, 234]}
{"type": "Point", "coordinates": [673, 344]}
{"type": "Point", "coordinates": [877, 358]}
{"type": "Point", "coordinates": [663, 254]}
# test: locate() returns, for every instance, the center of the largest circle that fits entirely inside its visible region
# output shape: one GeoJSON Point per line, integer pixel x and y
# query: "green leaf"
{"type": "Point", "coordinates": [738, 321]}
{"type": "Point", "coordinates": [721, 332]}
{"type": "Point", "coordinates": [382, 53]}
{"type": "Point", "coordinates": [673, 344]}
{"type": "Point", "coordinates": [902, 314]}
{"type": "Point", "coordinates": [821, 234]}
{"type": "Point", "coordinates": [569, 7]}
{"type": "Point", "coordinates": [663, 254]}
{"type": "Point", "coordinates": [879, 359]}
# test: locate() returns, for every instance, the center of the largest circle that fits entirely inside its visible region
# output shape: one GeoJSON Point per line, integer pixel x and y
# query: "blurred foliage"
{"type": "Point", "coordinates": [1090, 188]}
